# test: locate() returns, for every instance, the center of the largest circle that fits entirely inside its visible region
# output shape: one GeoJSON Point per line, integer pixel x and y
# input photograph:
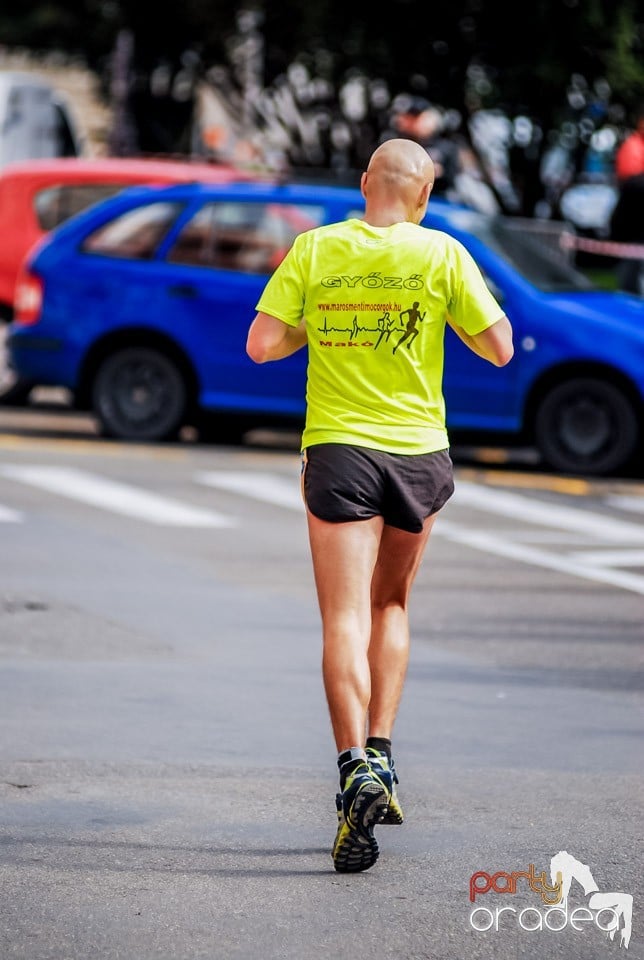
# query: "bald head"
{"type": "Point", "coordinates": [398, 182]}
{"type": "Point", "coordinates": [399, 160]}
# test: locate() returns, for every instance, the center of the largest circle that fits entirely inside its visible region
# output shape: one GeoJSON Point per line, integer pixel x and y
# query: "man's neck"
{"type": "Point", "coordinates": [386, 217]}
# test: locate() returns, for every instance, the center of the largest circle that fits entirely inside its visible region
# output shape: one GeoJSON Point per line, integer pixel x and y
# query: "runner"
{"type": "Point", "coordinates": [375, 451]}
{"type": "Point", "coordinates": [411, 330]}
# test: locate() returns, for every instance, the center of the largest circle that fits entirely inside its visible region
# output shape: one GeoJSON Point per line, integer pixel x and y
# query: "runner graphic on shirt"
{"type": "Point", "coordinates": [412, 330]}
{"type": "Point", "coordinates": [386, 327]}
{"type": "Point", "coordinates": [391, 321]}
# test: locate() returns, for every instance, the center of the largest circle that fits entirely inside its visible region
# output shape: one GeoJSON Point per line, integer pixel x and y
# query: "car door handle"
{"type": "Point", "coordinates": [183, 290]}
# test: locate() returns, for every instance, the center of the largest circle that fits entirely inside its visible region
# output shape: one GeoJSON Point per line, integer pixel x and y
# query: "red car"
{"type": "Point", "coordinates": [38, 195]}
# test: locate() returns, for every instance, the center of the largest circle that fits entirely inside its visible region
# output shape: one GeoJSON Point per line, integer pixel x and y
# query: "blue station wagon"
{"type": "Point", "coordinates": [141, 307]}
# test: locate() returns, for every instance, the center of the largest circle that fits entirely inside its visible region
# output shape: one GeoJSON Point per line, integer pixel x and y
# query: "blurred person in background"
{"type": "Point", "coordinates": [460, 173]}
{"type": "Point", "coordinates": [627, 218]}
{"type": "Point", "coordinates": [415, 118]}
{"type": "Point", "coordinates": [629, 159]}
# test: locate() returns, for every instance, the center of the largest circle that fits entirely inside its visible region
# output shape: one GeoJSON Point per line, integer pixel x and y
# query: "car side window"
{"type": "Point", "coordinates": [247, 237]}
{"type": "Point", "coordinates": [54, 205]}
{"type": "Point", "coordinates": [135, 234]}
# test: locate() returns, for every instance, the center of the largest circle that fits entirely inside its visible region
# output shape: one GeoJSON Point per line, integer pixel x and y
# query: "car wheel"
{"type": "Point", "coordinates": [139, 394]}
{"type": "Point", "coordinates": [586, 426]}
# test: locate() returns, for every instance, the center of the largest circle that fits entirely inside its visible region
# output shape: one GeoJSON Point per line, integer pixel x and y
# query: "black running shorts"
{"type": "Point", "coordinates": [341, 482]}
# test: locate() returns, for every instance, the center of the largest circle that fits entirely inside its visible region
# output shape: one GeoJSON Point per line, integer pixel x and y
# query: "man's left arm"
{"type": "Point", "coordinates": [272, 339]}
{"type": "Point", "coordinates": [472, 308]}
{"type": "Point", "coordinates": [493, 344]}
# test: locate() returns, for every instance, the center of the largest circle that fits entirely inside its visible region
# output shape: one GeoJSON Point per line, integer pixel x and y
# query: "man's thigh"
{"type": "Point", "coordinates": [344, 556]}
{"type": "Point", "coordinates": [399, 556]}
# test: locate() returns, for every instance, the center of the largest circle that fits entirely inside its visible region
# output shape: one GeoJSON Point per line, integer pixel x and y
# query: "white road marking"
{"type": "Point", "coordinates": [7, 515]}
{"type": "Point", "coordinates": [527, 510]}
{"type": "Point", "coordinates": [610, 558]}
{"type": "Point", "coordinates": [494, 543]}
{"type": "Point", "coordinates": [115, 497]}
{"type": "Point", "coordinates": [583, 524]}
{"type": "Point", "coordinates": [533, 535]}
{"type": "Point", "coordinates": [559, 521]}
{"type": "Point", "coordinates": [269, 487]}
{"type": "Point", "coordinates": [622, 502]}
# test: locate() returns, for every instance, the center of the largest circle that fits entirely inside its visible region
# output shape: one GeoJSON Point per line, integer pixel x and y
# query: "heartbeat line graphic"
{"type": "Point", "coordinates": [352, 331]}
{"type": "Point", "coordinates": [355, 329]}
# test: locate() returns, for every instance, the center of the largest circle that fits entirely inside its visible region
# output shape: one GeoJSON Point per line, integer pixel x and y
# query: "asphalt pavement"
{"type": "Point", "coordinates": [167, 772]}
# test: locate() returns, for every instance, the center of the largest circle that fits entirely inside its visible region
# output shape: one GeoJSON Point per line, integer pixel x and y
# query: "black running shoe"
{"type": "Point", "coordinates": [383, 767]}
{"type": "Point", "coordinates": [361, 805]}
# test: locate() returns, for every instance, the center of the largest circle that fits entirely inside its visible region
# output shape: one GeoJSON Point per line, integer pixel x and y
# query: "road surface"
{"type": "Point", "coordinates": [167, 773]}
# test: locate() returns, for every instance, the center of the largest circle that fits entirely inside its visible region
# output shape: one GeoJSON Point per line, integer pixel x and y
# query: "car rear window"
{"type": "Point", "coordinates": [135, 234]}
{"type": "Point", "coordinates": [54, 205]}
{"type": "Point", "coordinates": [247, 237]}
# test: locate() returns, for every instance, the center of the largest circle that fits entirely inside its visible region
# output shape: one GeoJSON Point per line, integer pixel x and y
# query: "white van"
{"type": "Point", "coordinates": [35, 121]}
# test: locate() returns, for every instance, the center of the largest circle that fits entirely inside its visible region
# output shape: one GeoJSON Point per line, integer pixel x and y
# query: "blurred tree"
{"type": "Point", "coordinates": [84, 27]}
{"type": "Point", "coordinates": [400, 40]}
{"type": "Point", "coordinates": [457, 55]}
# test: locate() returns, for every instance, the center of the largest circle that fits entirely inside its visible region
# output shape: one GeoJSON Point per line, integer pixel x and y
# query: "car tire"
{"type": "Point", "coordinates": [139, 393]}
{"type": "Point", "coordinates": [586, 426]}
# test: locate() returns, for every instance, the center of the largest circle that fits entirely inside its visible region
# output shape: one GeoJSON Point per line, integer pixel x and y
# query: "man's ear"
{"type": "Point", "coordinates": [423, 199]}
{"type": "Point", "coordinates": [363, 184]}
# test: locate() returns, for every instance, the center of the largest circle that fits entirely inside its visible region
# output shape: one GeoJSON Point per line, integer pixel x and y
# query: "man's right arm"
{"type": "Point", "coordinates": [493, 344]}
{"type": "Point", "coordinates": [272, 339]}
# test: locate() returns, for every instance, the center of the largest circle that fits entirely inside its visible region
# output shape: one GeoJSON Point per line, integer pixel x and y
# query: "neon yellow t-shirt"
{"type": "Point", "coordinates": [375, 301]}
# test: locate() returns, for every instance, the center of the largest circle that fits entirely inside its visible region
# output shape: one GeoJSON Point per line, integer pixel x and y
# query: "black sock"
{"type": "Point", "coordinates": [380, 743]}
